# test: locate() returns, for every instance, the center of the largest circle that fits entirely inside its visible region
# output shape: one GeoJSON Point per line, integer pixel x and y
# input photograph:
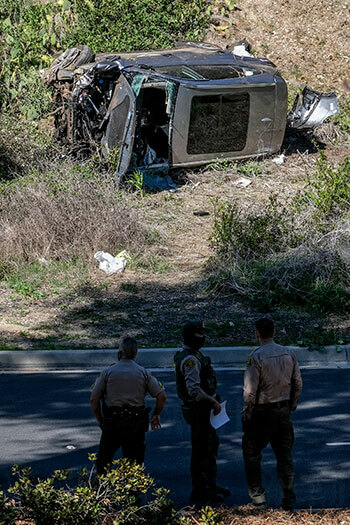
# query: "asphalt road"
{"type": "Point", "coordinates": [42, 414]}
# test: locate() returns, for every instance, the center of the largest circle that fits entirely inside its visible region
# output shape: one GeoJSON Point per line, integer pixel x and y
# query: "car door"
{"type": "Point", "coordinates": [120, 131]}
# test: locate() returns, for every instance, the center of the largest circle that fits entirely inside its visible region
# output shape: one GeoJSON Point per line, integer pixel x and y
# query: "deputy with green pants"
{"type": "Point", "coordinates": [196, 387]}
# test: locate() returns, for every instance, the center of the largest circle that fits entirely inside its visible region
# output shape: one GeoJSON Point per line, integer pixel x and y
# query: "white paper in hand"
{"type": "Point", "coordinates": [221, 418]}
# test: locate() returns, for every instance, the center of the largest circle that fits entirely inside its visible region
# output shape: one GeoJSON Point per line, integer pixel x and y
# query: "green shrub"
{"type": "Point", "coordinates": [251, 234]}
{"type": "Point", "coordinates": [8, 513]}
{"type": "Point", "coordinates": [31, 32]}
{"type": "Point", "coordinates": [313, 281]}
{"type": "Point", "coordinates": [292, 256]}
{"type": "Point", "coordinates": [327, 192]}
{"type": "Point", "coordinates": [127, 25]}
{"type": "Point", "coordinates": [123, 494]}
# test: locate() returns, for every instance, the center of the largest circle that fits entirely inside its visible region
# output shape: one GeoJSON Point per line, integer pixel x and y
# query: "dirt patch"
{"type": "Point", "coordinates": [307, 41]}
{"type": "Point", "coordinates": [152, 300]}
{"type": "Point", "coordinates": [245, 516]}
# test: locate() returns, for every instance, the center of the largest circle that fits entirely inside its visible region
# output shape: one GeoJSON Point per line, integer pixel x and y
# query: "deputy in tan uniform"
{"type": "Point", "coordinates": [121, 389]}
{"type": "Point", "coordinates": [272, 386]}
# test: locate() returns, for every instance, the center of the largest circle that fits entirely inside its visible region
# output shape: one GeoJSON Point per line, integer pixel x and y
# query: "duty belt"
{"type": "Point", "coordinates": [126, 412]}
{"type": "Point", "coordinates": [277, 404]}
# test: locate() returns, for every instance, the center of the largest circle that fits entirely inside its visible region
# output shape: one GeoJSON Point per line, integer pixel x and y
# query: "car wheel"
{"type": "Point", "coordinates": [73, 58]}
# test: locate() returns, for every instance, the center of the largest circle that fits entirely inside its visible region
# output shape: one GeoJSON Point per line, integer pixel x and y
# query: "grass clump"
{"type": "Point", "coordinates": [342, 120]}
{"type": "Point", "coordinates": [293, 256]}
{"type": "Point", "coordinates": [66, 215]}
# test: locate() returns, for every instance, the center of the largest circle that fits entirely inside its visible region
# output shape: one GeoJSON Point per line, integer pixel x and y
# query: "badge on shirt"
{"type": "Point", "coordinates": [250, 361]}
{"type": "Point", "coordinates": [190, 364]}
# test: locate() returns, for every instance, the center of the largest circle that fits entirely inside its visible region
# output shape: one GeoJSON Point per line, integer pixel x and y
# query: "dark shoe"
{"type": "Point", "coordinates": [288, 508]}
{"type": "Point", "coordinates": [226, 493]}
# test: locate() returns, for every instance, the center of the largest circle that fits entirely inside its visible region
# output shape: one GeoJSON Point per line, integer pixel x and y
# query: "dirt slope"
{"type": "Point", "coordinates": [308, 41]}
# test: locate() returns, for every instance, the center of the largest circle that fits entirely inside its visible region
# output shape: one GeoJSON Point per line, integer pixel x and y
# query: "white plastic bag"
{"type": "Point", "coordinates": [110, 264]}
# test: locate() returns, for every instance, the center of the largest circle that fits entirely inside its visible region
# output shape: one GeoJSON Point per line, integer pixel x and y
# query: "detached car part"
{"type": "Point", "coordinates": [312, 108]}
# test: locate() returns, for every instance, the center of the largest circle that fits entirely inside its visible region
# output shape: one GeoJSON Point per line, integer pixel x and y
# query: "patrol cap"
{"type": "Point", "coordinates": [192, 327]}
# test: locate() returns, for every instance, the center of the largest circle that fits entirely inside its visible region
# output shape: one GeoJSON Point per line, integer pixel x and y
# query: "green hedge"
{"type": "Point", "coordinates": [31, 32]}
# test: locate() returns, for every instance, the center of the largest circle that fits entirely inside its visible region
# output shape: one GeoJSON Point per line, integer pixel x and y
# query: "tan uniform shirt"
{"type": "Point", "coordinates": [125, 383]}
{"type": "Point", "coordinates": [272, 375]}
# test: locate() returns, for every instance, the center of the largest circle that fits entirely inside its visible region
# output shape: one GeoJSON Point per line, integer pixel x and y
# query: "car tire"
{"type": "Point", "coordinates": [73, 58]}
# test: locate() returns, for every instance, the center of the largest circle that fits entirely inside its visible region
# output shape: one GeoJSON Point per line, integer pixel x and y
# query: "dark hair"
{"type": "Point", "coordinates": [192, 327]}
{"type": "Point", "coordinates": [265, 327]}
{"type": "Point", "coordinates": [128, 347]}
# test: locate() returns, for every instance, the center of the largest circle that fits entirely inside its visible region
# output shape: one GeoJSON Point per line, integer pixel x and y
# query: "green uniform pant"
{"type": "Point", "coordinates": [274, 426]}
{"type": "Point", "coordinates": [205, 445]}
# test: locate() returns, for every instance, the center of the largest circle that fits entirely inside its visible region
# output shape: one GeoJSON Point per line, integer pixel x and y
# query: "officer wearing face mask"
{"type": "Point", "coordinates": [196, 387]}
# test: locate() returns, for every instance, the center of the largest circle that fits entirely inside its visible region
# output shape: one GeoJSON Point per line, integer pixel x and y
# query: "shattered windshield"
{"type": "Point", "coordinates": [206, 72]}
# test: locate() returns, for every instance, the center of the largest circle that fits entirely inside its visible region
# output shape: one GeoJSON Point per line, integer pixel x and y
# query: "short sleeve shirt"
{"type": "Point", "coordinates": [126, 383]}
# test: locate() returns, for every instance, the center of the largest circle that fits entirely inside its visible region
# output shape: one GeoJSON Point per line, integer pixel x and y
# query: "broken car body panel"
{"type": "Point", "coordinates": [178, 107]}
{"type": "Point", "coordinates": [312, 108]}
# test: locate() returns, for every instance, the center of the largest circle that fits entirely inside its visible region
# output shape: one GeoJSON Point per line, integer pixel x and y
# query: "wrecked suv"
{"type": "Point", "coordinates": [178, 107]}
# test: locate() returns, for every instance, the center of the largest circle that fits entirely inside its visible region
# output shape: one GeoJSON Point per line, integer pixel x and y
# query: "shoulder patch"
{"type": "Point", "coordinates": [250, 361]}
{"type": "Point", "coordinates": [189, 364]}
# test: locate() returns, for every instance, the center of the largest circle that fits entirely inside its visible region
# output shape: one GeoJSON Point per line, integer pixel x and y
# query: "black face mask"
{"type": "Point", "coordinates": [195, 342]}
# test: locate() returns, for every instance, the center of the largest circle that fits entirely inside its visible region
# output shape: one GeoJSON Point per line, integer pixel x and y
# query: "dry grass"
{"type": "Point", "coordinates": [67, 214]}
{"type": "Point", "coordinates": [94, 311]}
{"type": "Point", "coordinates": [245, 516]}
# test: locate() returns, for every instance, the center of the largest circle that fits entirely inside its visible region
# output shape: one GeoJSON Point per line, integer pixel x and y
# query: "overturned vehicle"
{"type": "Point", "coordinates": [179, 107]}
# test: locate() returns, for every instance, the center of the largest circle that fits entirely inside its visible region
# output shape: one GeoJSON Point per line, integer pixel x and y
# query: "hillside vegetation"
{"type": "Point", "coordinates": [279, 245]}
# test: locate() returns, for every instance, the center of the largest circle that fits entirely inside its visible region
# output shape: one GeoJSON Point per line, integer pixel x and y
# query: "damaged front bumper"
{"type": "Point", "coordinates": [311, 108]}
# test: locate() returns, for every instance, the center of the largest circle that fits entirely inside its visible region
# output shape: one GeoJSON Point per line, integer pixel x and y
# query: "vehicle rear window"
{"type": "Point", "coordinates": [218, 123]}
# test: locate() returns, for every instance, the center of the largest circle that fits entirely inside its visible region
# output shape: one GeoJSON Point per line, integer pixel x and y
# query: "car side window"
{"type": "Point", "coordinates": [218, 123]}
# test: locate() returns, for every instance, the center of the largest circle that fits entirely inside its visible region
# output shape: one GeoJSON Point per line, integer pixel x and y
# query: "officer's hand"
{"type": "Point", "coordinates": [216, 407]}
{"type": "Point", "coordinates": [155, 422]}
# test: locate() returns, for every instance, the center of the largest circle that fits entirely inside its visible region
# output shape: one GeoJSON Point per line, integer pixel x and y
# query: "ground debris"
{"type": "Point", "coordinates": [244, 515]}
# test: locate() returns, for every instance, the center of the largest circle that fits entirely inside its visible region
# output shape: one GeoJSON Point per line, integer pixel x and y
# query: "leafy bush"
{"type": "Point", "coordinates": [137, 24]}
{"type": "Point", "coordinates": [24, 146]}
{"type": "Point", "coordinates": [294, 255]}
{"type": "Point", "coordinates": [7, 511]}
{"type": "Point", "coordinates": [328, 192]}
{"type": "Point", "coordinates": [32, 32]}
{"type": "Point", "coordinates": [122, 495]}
{"type": "Point", "coordinates": [253, 234]}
